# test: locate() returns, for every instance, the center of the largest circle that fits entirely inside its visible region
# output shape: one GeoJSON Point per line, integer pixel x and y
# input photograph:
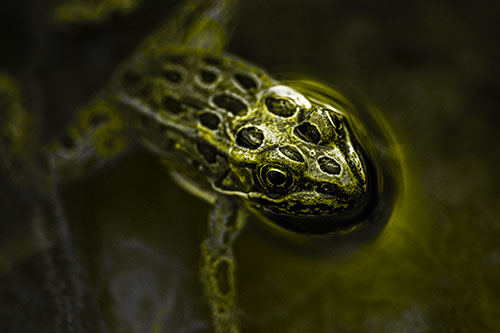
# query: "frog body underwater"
{"type": "Point", "coordinates": [230, 133]}
{"type": "Point", "coordinates": [232, 129]}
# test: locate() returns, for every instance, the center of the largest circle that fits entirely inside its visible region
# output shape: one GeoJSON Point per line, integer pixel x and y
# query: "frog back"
{"type": "Point", "coordinates": [184, 103]}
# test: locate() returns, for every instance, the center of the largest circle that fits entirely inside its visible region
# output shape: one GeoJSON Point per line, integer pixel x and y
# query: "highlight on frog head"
{"type": "Point", "coordinates": [302, 162]}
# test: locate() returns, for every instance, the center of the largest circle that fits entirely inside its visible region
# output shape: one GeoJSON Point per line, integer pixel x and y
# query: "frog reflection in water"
{"type": "Point", "coordinates": [228, 132]}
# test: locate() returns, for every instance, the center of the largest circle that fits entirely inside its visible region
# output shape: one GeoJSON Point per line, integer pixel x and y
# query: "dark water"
{"type": "Point", "coordinates": [429, 66]}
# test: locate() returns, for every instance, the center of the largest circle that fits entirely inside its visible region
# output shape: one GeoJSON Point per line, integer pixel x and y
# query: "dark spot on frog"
{"type": "Point", "coordinates": [211, 60]}
{"type": "Point", "coordinates": [250, 137]}
{"type": "Point", "coordinates": [307, 132]}
{"type": "Point", "coordinates": [247, 82]}
{"type": "Point", "coordinates": [222, 276]}
{"type": "Point", "coordinates": [146, 90]}
{"type": "Point", "coordinates": [329, 165]}
{"type": "Point", "coordinates": [173, 105]}
{"type": "Point", "coordinates": [175, 59]}
{"type": "Point", "coordinates": [168, 143]}
{"type": "Point", "coordinates": [208, 152]}
{"type": "Point", "coordinates": [131, 79]}
{"type": "Point", "coordinates": [210, 120]}
{"type": "Point", "coordinates": [196, 165]}
{"type": "Point", "coordinates": [292, 153]}
{"type": "Point", "coordinates": [172, 76]}
{"type": "Point", "coordinates": [109, 144]}
{"type": "Point", "coordinates": [232, 104]}
{"type": "Point", "coordinates": [226, 237]}
{"type": "Point", "coordinates": [192, 102]}
{"type": "Point", "coordinates": [337, 122]}
{"type": "Point", "coordinates": [68, 142]}
{"type": "Point", "coordinates": [221, 309]}
{"type": "Point", "coordinates": [280, 106]}
{"type": "Point", "coordinates": [208, 76]}
{"type": "Point", "coordinates": [149, 94]}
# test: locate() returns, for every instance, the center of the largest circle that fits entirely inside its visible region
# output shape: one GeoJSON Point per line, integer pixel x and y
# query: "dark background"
{"type": "Point", "coordinates": [431, 67]}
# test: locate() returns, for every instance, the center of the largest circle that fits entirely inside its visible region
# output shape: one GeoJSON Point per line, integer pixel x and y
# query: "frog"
{"type": "Point", "coordinates": [227, 131]}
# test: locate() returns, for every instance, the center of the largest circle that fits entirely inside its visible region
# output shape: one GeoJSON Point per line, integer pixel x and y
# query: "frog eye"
{"type": "Point", "coordinates": [275, 178]}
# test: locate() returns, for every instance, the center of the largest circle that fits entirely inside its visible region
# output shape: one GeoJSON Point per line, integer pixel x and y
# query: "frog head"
{"type": "Point", "coordinates": [299, 161]}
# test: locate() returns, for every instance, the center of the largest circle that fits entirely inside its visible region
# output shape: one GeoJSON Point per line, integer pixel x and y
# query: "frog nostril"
{"type": "Point", "coordinates": [329, 165]}
{"type": "Point", "coordinates": [307, 132]}
{"type": "Point", "coordinates": [325, 188]}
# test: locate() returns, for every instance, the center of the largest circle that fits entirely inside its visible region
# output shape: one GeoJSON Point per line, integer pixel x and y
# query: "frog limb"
{"type": "Point", "coordinates": [96, 136]}
{"type": "Point", "coordinates": [212, 29]}
{"type": "Point", "coordinates": [32, 177]}
{"type": "Point", "coordinates": [219, 264]}
{"type": "Point", "coordinates": [15, 129]}
{"type": "Point", "coordinates": [205, 24]}
{"type": "Point", "coordinates": [84, 11]}
{"type": "Point", "coordinates": [91, 141]}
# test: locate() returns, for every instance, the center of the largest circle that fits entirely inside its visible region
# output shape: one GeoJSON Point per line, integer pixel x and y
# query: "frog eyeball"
{"type": "Point", "coordinates": [275, 178]}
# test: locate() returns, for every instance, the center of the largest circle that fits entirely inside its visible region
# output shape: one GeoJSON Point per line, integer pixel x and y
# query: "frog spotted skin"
{"type": "Point", "coordinates": [229, 132]}
{"type": "Point", "coordinates": [230, 129]}
{"type": "Point", "coordinates": [234, 130]}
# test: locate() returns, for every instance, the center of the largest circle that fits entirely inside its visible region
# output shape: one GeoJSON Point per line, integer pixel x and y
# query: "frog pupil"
{"type": "Point", "coordinates": [276, 177]}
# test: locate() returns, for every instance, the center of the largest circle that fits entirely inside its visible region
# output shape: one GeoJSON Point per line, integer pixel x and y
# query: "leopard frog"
{"type": "Point", "coordinates": [230, 133]}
